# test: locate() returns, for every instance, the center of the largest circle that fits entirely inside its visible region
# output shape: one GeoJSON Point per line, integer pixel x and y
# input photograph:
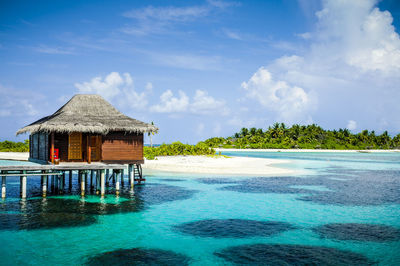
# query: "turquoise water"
{"type": "Point", "coordinates": [346, 207]}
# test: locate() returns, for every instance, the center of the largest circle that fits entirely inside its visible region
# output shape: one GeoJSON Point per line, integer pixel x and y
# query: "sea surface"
{"type": "Point", "coordinates": [345, 210]}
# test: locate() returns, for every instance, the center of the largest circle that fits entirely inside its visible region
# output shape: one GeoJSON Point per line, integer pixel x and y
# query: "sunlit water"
{"type": "Point", "coordinates": [346, 210]}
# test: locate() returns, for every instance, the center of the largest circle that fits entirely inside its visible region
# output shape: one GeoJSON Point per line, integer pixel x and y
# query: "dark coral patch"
{"type": "Point", "coordinates": [212, 181]}
{"type": "Point", "coordinates": [233, 228]}
{"type": "Point", "coordinates": [138, 256]}
{"type": "Point", "coordinates": [275, 254]}
{"type": "Point", "coordinates": [359, 232]}
{"type": "Point", "coordinates": [37, 213]}
{"type": "Point", "coordinates": [361, 188]}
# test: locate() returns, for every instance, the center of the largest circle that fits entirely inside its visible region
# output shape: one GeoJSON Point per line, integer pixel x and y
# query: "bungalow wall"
{"type": "Point", "coordinates": [118, 147]}
{"type": "Point", "coordinates": [39, 147]}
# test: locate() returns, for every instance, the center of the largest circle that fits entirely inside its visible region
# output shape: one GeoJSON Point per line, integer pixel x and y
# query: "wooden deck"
{"type": "Point", "coordinates": [57, 173]}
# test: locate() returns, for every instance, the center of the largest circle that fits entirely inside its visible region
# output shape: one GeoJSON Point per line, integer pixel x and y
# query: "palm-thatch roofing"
{"type": "Point", "coordinates": [88, 113]}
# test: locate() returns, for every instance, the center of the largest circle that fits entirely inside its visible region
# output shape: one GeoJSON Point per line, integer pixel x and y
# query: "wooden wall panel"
{"type": "Point", "coordinates": [117, 146]}
{"type": "Point", "coordinates": [35, 154]}
{"type": "Point", "coordinates": [43, 142]}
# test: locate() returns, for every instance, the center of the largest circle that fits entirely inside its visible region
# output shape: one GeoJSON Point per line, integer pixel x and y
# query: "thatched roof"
{"type": "Point", "coordinates": [87, 113]}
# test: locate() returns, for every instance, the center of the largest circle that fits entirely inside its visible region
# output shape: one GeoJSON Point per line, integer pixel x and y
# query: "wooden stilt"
{"type": "Point", "coordinates": [91, 179]}
{"type": "Point", "coordinates": [3, 187]}
{"type": "Point", "coordinates": [23, 187]}
{"type": "Point", "coordinates": [52, 184]}
{"type": "Point", "coordinates": [83, 185]}
{"type": "Point", "coordinates": [122, 177]}
{"type": "Point", "coordinates": [98, 181]}
{"type": "Point", "coordinates": [102, 183]}
{"type": "Point", "coordinates": [131, 176]}
{"type": "Point", "coordinates": [117, 184]}
{"type": "Point", "coordinates": [70, 180]}
{"type": "Point", "coordinates": [62, 182]}
{"type": "Point", "coordinates": [44, 184]}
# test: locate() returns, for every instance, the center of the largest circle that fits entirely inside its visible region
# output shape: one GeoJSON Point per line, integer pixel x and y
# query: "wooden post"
{"type": "Point", "coordinates": [122, 177]}
{"type": "Point", "coordinates": [52, 183]}
{"type": "Point", "coordinates": [91, 179]}
{"type": "Point", "coordinates": [23, 187]}
{"type": "Point", "coordinates": [70, 180]}
{"type": "Point", "coordinates": [98, 182]}
{"type": "Point", "coordinates": [52, 148]}
{"type": "Point", "coordinates": [44, 184]}
{"type": "Point", "coordinates": [102, 183]}
{"type": "Point", "coordinates": [89, 150]}
{"type": "Point", "coordinates": [107, 176]}
{"type": "Point", "coordinates": [83, 177]}
{"type": "Point", "coordinates": [3, 187]}
{"type": "Point", "coordinates": [132, 175]}
{"type": "Point", "coordinates": [116, 183]}
{"type": "Point", "coordinates": [62, 182]}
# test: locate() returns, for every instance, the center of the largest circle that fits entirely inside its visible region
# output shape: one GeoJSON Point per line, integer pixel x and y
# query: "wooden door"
{"type": "Point", "coordinates": [95, 148]}
{"type": "Point", "coordinates": [75, 146]}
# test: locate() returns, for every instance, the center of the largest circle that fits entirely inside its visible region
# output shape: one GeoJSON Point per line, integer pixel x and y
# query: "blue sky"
{"type": "Point", "coordinates": [205, 68]}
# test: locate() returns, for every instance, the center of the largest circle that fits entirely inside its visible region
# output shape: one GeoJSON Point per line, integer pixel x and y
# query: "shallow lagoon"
{"type": "Point", "coordinates": [174, 219]}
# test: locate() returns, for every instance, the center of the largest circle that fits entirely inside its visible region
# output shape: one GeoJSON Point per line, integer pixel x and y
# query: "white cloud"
{"type": "Point", "coordinates": [117, 87]}
{"type": "Point", "coordinates": [188, 61]}
{"type": "Point", "coordinates": [352, 61]}
{"type": "Point", "coordinates": [54, 50]}
{"type": "Point", "coordinates": [232, 35]}
{"type": "Point", "coordinates": [205, 104]}
{"type": "Point", "coordinates": [351, 125]}
{"type": "Point", "coordinates": [15, 102]}
{"type": "Point", "coordinates": [363, 35]}
{"type": "Point", "coordinates": [170, 104]}
{"type": "Point", "coordinates": [201, 103]}
{"type": "Point", "coordinates": [167, 13]}
{"type": "Point", "coordinates": [290, 102]}
{"type": "Point", "coordinates": [160, 20]}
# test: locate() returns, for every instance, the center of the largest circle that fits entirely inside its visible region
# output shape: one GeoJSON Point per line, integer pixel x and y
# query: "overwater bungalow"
{"type": "Point", "coordinates": [87, 129]}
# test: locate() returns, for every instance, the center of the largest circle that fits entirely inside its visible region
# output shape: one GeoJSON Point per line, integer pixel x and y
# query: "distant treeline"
{"type": "Point", "coordinates": [177, 148]}
{"type": "Point", "coordinates": [305, 137]}
{"type": "Point", "coordinates": [10, 146]}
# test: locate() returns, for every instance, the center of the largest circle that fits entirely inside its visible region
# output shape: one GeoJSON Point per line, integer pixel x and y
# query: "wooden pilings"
{"type": "Point", "coordinates": [44, 184]}
{"type": "Point", "coordinates": [117, 183]}
{"type": "Point", "coordinates": [3, 186]}
{"type": "Point", "coordinates": [23, 185]}
{"type": "Point", "coordinates": [52, 180]}
{"type": "Point", "coordinates": [102, 183]}
{"type": "Point", "coordinates": [131, 176]}
{"type": "Point", "coordinates": [83, 185]}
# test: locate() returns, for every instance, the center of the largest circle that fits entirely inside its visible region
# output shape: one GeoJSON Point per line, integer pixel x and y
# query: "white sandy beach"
{"type": "Point", "coordinates": [15, 156]}
{"type": "Point", "coordinates": [218, 165]}
{"type": "Point", "coordinates": [199, 164]}
{"type": "Point", "coordinates": [300, 150]}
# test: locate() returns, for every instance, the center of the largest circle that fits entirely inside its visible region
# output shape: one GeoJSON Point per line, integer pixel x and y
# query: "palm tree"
{"type": "Point", "coordinates": [151, 135]}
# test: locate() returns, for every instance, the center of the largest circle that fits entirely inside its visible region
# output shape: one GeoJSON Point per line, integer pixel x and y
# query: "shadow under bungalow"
{"type": "Point", "coordinates": [87, 135]}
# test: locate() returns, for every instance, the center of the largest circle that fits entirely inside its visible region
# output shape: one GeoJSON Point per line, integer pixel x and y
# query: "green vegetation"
{"type": "Point", "coordinates": [10, 146]}
{"type": "Point", "coordinates": [177, 148]}
{"type": "Point", "coordinates": [305, 137]}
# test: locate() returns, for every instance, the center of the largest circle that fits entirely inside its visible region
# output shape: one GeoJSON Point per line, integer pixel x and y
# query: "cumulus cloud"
{"type": "Point", "coordinates": [117, 87]}
{"type": "Point", "coordinates": [351, 125]}
{"type": "Point", "coordinates": [205, 104]}
{"type": "Point", "coordinates": [202, 103]}
{"type": "Point", "coordinates": [352, 61]}
{"type": "Point", "coordinates": [290, 102]}
{"type": "Point", "coordinates": [170, 104]}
